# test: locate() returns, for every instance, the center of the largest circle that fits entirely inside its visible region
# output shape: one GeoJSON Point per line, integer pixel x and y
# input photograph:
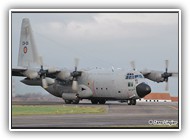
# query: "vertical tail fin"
{"type": "Point", "coordinates": [28, 54]}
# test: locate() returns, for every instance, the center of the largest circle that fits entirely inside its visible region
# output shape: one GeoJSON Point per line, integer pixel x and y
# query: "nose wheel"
{"type": "Point", "coordinates": [132, 102]}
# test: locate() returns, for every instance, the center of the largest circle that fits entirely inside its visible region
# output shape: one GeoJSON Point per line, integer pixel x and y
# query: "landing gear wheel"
{"type": "Point", "coordinates": [68, 101]}
{"type": "Point", "coordinates": [131, 102]}
{"type": "Point", "coordinates": [102, 101]}
{"type": "Point", "coordinates": [94, 101]}
{"type": "Point", "coordinates": [75, 101]}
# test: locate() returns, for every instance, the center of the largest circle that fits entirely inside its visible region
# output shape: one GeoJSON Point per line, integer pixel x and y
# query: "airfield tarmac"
{"type": "Point", "coordinates": [117, 115]}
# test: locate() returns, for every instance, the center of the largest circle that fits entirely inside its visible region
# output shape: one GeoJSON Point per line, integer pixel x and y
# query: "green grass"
{"type": "Point", "coordinates": [54, 109]}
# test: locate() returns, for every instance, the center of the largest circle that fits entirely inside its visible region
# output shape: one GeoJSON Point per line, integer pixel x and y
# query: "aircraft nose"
{"type": "Point", "coordinates": [143, 89]}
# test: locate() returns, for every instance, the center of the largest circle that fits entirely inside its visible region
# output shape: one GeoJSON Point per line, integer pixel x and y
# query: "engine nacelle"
{"type": "Point", "coordinates": [155, 76]}
{"type": "Point", "coordinates": [63, 75]}
{"type": "Point", "coordinates": [52, 70]}
{"type": "Point", "coordinates": [31, 74]}
{"type": "Point", "coordinates": [50, 81]}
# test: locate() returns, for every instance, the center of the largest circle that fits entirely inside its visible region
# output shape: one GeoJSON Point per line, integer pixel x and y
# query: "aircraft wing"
{"type": "Point", "coordinates": [32, 74]}
{"type": "Point", "coordinates": [18, 72]}
{"type": "Point", "coordinates": [53, 74]}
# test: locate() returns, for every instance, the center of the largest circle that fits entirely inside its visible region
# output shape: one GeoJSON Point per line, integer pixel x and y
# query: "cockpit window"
{"type": "Point", "coordinates": [138, 76]}
{"type": "Point", "coordinates": [132, 76]}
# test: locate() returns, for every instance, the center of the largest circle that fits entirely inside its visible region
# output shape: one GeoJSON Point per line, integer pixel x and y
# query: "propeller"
{"type": "Point", "coordinates": [42, 73]}
{"type": "Point", "coordinates": [45, 80]}
{"type": "Point", "coordinates": [75, 74]}
{"type": "Point", "coordinates": [166, 75]}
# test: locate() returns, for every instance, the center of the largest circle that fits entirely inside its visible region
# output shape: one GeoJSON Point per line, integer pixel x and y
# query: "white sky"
{"type": "Point", "coordinates": [103, 40]}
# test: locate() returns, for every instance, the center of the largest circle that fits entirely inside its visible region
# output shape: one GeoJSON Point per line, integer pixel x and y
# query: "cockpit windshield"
{"type": "Point", "coordinates": [138, 76]}
{"type": "Point", "coordinates": [133, 76]}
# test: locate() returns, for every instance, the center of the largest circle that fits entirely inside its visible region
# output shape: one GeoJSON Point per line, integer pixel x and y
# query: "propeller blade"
{"type": "Point", "coordinates": [76, 63]}
{"type": "Point", "coordinates": [166, 63]}
{"type": "Point", "coordinates": [75, 85]}
{"type": "Point", "coordinates": [40, 59]}
{"type": "Point", "coordinates": [133, 65]}
{"type": "Point", "coordinates": [167, 86]}
{"type": "Point", "coordinates": [174, 74]}
{"type": "Point", "coordinates": [44, 83]}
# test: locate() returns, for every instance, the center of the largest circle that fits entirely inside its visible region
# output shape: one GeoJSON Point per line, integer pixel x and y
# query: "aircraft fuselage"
{"type": "Point", "coordinates": [100, 84]}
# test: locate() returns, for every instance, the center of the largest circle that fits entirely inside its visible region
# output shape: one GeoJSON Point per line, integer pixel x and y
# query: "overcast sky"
{"type": "Point", "coordinates": [102, 40]}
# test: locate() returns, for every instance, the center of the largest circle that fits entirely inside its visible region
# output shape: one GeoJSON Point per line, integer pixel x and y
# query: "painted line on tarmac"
{"type": "Point", "coordinates": [173, 107]}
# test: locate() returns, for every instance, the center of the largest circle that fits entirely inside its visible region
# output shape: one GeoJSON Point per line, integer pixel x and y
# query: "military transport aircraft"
{"type": "Point", "coordinates": [97, 85]}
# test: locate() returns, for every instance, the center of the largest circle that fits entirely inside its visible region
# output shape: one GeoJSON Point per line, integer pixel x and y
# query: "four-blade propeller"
{"type": "Point", "coordinates": [166, 75]}
{"type": "Point", "coordinates": [157, 76]}
{"type": "Point", "coordinates": [75, 74]}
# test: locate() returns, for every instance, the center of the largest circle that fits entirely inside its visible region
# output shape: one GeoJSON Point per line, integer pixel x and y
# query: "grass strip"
{"type": "Point", "coordinates": [54, 109]}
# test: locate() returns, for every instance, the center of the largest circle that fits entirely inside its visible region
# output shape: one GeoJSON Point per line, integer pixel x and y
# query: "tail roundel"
{"type": "Point", "coordinates": [28, 54]}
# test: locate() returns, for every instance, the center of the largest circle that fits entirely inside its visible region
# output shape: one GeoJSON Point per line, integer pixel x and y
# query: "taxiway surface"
{"type": "Point", "coordinates": [117, 115]}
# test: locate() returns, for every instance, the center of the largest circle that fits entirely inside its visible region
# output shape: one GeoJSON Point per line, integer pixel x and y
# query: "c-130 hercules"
{"type": "Point", "coordinates": [96, 85]}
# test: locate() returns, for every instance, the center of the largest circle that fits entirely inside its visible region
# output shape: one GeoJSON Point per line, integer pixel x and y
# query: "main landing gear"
{"type": "Point", "coordinates": [131, 102]}
{"type": "Point", "coordinates": [96, 101]}
{"type": "Point", "coordinates": [72, 101]}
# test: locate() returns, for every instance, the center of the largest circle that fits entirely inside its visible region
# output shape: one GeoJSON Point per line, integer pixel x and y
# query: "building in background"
{"type": "Point", "coordinates": [158, 97]}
